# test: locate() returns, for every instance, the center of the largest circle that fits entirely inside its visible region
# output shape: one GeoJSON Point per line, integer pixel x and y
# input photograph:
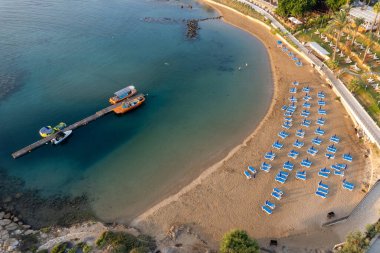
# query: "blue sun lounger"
{"type": "Point", "coordinates": [342, 166]}
{"type": "Point", "coordinates": [306, 123]}
{"type": "Point", "coordinates": [265, 167]}
{"type": "Point", "coordinates": [317, 141]}
{"type": "Point", "coordinates": [331, 149]}
{"type": "Point", "coordinates": [270, 156]}
{"type": "Point", "coordinates": [325, 191]}
{"type": "Point", "coordinates": [320, 184]}
{"type": "Point", "coordinates": [322, 174]}
{"type": "Point", "coordinates": [319, 131]}
{"type": "Point", "coordinates": [321, 94]}
{"type": "Point", "coordinates": [334, 167]}
{"type": "Point", "coordinates": [330, 156]}
{"type": "Point", "coordinates": [293, 99]}
{"type": "Point", "coordinates": [321, 194]}
{"type": "Point", "coordinates": [339, 173]}
{"type": "Point", "coordinates": [293, 106]}
{"type": "Point", "coordinates": [306, 89]}
{"type": "Point", "coordinates": [325, 170]}
{"type": "Point", "coordinates": [306, 105]}
{"type": "Point", "coordinates": [321, 121]}
{"type": "Point", "coordinates": [322, 111]}
{"type": "Point", "coordinates": [306, 163]}
{"type": "Point", "coordinates": [300, 133]}
{"type": "Point", "coordinates": [347, 157]}
{"type": "Point", "coordinates": [288, 166]}
{"type": "Point", "coordinates": [247, 174]}
{"type": "Point", "coordinates": [277, 145]}
{"type": "Point", "coordinates": [305, 113]}
{"type": "Point", "coordinates": [295, 58]}
{"type": "Point", "coordinates": [270, 204]}
{"type": "Point", "coordinates": [266, 209]}
{"type": "Point", "coordinates": [321, 102]}
{"type": "Point", "coordinates": [286, 125]}
{"type": "Point", "coordinates": [312, 151]}
{"type": "Point", "coordinates": [298, 144]}
{"type": "Point", "coordinates": [296, 83]}
{"type": "Point", "coordinates": [283, 173]}
{"type": "Point", "coordinates": [348, 185]}
{"type": "Point", "coordinates": [335, 139]}
{"type": "Point", "coordinates": [288, 122]}
{"type": "Point", "coordinates": [283, 134]}
{"type": "Point", "coordinates": [293, 154]}
{"type": "Point", "coordinates": [278, 191]}
{"type": "Point", "coordinates": [289, 119]}
{"type": "Point", "coordinates": [291, 109]}
{"type": "Point", "coordinates": [276, 195]}
{"type": "Point", "coordinates": [252, 170]}
{"type": "Point", "coordinates": [281, 180]}
{"type": "Point", "coordinates": [301, 176]}
{"type": "Point", "coordinates": [291, 54]}
{"type": "Point", "coordinates": [284, 107]}
{"type": "Point", "coordinates": [293, 90]}
{"type": "Point", "coordinates": [307, 97]}
{"type": "Point", "coordinates": [284, 49]}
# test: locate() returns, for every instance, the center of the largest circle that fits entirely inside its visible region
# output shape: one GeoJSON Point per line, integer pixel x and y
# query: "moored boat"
{"type": "Point", "coordinates": [46, 131]}
{"type": "Point", "coordinates": [61, 136]}
{"type": "Point", "coordinates": [123, 94]}
{"type": "Point", "coordinates": [129, 105]}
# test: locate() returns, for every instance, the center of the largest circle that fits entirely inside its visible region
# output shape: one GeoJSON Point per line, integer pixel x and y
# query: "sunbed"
{"type": "Point", "coordinates": [266, 209]}
{"type": "Point", "coordinates": [247, 174]}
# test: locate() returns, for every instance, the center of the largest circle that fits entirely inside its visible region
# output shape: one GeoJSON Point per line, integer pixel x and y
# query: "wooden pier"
{"type": "Point", "coordinates": [77, 124]}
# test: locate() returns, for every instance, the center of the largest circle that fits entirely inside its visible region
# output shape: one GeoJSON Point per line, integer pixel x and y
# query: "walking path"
{"type": "Point", "coordinates": [369, 126]}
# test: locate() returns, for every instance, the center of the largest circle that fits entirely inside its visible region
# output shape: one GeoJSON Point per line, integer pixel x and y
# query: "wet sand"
{"type": "Point", "coordinates": [221, 198]}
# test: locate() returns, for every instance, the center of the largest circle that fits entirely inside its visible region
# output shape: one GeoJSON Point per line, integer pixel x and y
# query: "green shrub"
{"type": "Point", "coordinates": [238, 241]}
{"type": "Point", "coordinates": [123, 242]}
{"type": "Point", "coordinates": [355, 243]}
{"type": "Point", "coordinates": [60, 248]}
{"type": "Point", "coordinates": [86, 248]}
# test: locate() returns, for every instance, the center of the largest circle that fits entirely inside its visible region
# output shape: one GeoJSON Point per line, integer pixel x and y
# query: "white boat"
{"type": "Point", "coordinates": [61, 136]}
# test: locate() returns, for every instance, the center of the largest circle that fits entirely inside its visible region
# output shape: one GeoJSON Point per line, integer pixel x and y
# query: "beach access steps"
{"type": "Point", "coordinates": [77, 124]}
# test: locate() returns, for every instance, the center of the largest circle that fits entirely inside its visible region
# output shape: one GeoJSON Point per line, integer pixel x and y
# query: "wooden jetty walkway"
{"type": "Point", "coordinates": [77, 124]}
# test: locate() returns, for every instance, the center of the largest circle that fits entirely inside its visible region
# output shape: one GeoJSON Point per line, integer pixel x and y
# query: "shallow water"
{"type": "Point", "coordinates": [68, 57]}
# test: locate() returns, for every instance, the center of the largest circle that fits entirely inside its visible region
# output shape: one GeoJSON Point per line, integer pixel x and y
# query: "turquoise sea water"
{"type": "Point", "coordinates": [66, 58]}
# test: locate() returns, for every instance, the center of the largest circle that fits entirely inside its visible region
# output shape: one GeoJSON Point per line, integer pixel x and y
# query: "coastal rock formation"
{"type": "Point", "coordinates": [13, 232]}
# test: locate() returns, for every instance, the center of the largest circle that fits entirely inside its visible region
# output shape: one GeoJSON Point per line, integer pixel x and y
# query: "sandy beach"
{"type": "Point", "coordinates": [221, 198]}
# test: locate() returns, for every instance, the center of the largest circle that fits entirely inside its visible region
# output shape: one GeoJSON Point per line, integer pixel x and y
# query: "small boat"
{"type": "Point", "coordinates": [123, 94]}
{"type": "Point", "coordinates": [61, 136]}
{"type": "Point", "coordinates": [46, 131]}
{"type": "Point", "coordinates": [129, 105]}
{"type": "Point", "coordinates": [60, 126]}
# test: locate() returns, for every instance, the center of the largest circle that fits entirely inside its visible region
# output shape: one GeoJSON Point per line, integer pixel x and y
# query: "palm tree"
{"type": "Point", "coordinates": [337, 25]}
{"type": "Point", "coordinates": [376, 9]}
{"type": "Point", "coordinates": [358, 22]}
{"type": "Point", "coordinates": [369, 41]}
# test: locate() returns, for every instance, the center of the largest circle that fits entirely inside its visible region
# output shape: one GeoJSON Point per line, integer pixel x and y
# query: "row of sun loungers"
{"type": "Point", "coordinates": [282, 176]}
{"type": "Point", "coordinates": [301, 175]}
{"type": "Point", "coordinates": [277, 193]}
{"type": "Point", "coordinates": [268, 207]}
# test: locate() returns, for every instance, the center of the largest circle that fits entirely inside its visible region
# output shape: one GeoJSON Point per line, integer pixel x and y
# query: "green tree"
{"type": "Point", "coordinates": [338, 23]}
{"type": "Point", "coordinates": [238, 241]}
{"type": "Point", "coordinates": [357, 22]}
{"type": "Point", "coordinates": [287, 8]}
{"type": "Point", "coordinates": [335, 5]}
{"type": "Point", "coordinates": [355, 243]}
{"type": "Point", "coordinates": [369, 39]}
{"type": "Point", "coordinates": [376, 9]}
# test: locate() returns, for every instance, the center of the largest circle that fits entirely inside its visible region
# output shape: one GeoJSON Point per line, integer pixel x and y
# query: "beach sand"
{"type": "Point", "coordinates": [221, 198]}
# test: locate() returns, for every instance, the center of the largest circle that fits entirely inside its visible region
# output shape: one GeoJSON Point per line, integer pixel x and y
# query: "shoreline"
{"type": "Point", "coordinates": [222, 184]}
{"type": "Point", "coordinates": [209, 170]}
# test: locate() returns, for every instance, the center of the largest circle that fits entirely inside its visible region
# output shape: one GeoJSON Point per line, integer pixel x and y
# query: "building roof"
{"type": "Point", "coordinates": [318, 49]}
{"type": "Point", "coordinates": [365, 12]}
